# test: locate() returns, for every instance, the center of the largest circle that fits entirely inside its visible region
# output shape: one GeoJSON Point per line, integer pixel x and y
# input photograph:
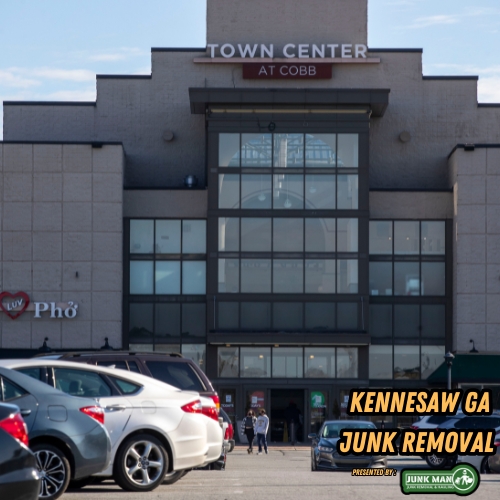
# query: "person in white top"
{"type": "Point", "coordinates": [261, 427]}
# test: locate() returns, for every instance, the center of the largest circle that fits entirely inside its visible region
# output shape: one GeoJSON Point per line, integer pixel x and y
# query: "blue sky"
{"type": "Point", "coordinates": [51, 50]}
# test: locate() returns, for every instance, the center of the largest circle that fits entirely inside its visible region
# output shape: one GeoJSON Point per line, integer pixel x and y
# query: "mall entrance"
{"type": "Point", "coordinates": [287, 415]}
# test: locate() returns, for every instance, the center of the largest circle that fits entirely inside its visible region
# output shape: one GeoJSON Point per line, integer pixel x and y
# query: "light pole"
{"type": "Point", "coordinates": [448, 357]}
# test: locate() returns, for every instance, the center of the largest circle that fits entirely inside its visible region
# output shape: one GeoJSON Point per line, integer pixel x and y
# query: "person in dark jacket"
{"type": "Point", "coordinates": [248, 427]}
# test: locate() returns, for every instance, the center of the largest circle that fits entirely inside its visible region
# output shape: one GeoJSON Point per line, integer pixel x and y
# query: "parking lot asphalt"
{"type": "Point", "coordinates": [282, 474]}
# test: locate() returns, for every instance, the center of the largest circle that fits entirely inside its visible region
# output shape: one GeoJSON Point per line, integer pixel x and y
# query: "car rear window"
{"type": "Point", "coordinates": [125, 386]}
{"type": "Point", "coordinates": [436, 420]}
{"type": "Point", "coordinates": [180, 375]}
{"type": "Point", "coordinates": [10, 391]}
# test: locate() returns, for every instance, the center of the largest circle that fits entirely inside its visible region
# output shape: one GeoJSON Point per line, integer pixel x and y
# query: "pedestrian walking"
{"type": "Point", "coordinates": [261, 427]}
{"type": "Point", "coordinates": [248, 428]}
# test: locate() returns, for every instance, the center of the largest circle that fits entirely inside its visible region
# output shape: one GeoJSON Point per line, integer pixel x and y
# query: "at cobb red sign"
{"type": "Point", "coordinates": [279, 71]}
{"type": "Point", "coordinates": [15, 304]}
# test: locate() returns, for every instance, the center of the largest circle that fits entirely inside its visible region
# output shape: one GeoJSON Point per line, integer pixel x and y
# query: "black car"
{"type": "Point", "coordinates": [324, 455]}
{"type": "Point", "coordinates": [19, 476]}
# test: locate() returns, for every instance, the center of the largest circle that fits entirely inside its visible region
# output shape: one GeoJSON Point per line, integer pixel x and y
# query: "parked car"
{"type": "Point", "coordinates": [19, 476]}
{"type": "Point", "coordinates": [480, 462]}
{"type": "Point", "coordinates": [429, 421]}
{"type": "Point", "coordinates": [494, 460]}
{"type": "Point", "coordinates": [154, 428]}
{"type": "Point", "coordinates": [324, 455]}
{"type": "Point", "coordinates": [66, 433]}
{"type": "Point", "coordinates": [228, 431]}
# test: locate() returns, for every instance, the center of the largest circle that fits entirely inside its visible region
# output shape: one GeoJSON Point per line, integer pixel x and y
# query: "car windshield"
{"type": "Point", "coordinates": [333, 429]}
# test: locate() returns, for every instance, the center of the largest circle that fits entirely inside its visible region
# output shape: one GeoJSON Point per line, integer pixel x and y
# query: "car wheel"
{"type": "Point", "coordinates": [141, 463]}
{"type": "Point", "coordinates": [314, 467]}
{"type": "Point", "coordinates": [435, 462]}
{"type": "Point", "coordinates": [173, 477]}
{"type": "Point", "coordinates": [485, 468]}
{"type": "Point", "coordinates": [54, 468]}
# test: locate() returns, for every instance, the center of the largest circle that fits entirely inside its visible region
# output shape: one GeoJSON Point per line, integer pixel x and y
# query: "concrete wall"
{"type": "Point", "coordinates": [61, 214]}
{"type": "Point", "coordinates": [475, 176]}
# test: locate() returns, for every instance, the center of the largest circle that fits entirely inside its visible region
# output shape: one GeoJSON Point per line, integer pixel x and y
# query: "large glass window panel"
{"type": "Point", "coordinates": [407, 362]}
{"type": "Point", "coordinates": [406, 278]}
{"type": "Point", "coordinates": [167, 321]}
{"type": "Point", "coordinates": [380, 237]}
{"type": "Point", "coordinates": [347, 192]}
{"type": "Point", "coordinates": [320, 235]}
{"type": "Point", "coordinates": [227, 362]}
{"type": "Point", "coordinates": [406, 237]}
{"type": "Point", "coordinates": [287, 316]}
{"type": "Point", "coordinates": [380, 362]}
{"type": "Point", "coordinates": [256, 191]}
{"type": "Point", "coordinates": [347, 276]}
{"type": "Point", "coordinates": [141, 323]}
{"type": "Point", "coordinates": [433, 278]}
{"type": "Point", "coordinates": [433, 321]}
{"type": "Point", "coordinates": [255, 275]}
{"type": "Point", "coordinates": [431, 358]}
{"type": "Point", "coordinates": [255, 362]}
{"type": "Point", "coordinates": [229, 191]}
{"type": "Point", "coordinates": [288, 235]}
{"type": "Point", "coordinates": [320, 275]}
{"type": "Point", "coordinates": [229, 276]}
{"type": "Point", "coordinates": [320, 316]}
{"type": "Point", "coordinates": [229, 315]}
{"type": "Point", "coordinates": [229, 150]}
{"type": "Point", "coordinates": [256, 234]}
{"type": "Point", "coordinates": [347, 362]}
{"type": "Point", "coordinates": [288, 276]}
{"type": "Point", "coordinates": [168, 236]}
{"type": "Point", "coordinates": [381, 320]}
{"type": "Point", "coordinates": [194, 277]}
{"type": "Point", "coordinates": [168, 277]}
{"type": "Point", "coordinates": [255, 315]}
{"type": "Point", "coordinates": [256, 150]}
{"type": "Point", "coordinates": [193, 320]}
{"type": "Point", "coordinates": [347, 316]}
{"type": "Point", "coordinates": [229, 234]}
{"type": "Point", "coordinates": [319, 362]}
{"type": "Point", "coordinates": [406, 321]}
{"type": "Point", "coordinates": [288, 191]}
{"type": "Point", "coordinates": [194, 236]}
{"type": "Point", "coordinates": [320, 192]}
{"type": "Point", "coordinates": [347, 147]}
{"type": "Point", "coordinates": [433, 237]}
{"type": "Point", "coordinates": [321, 150]}
{"type": "Point", "coordinates": [380, 278]}
{"type": "Point", "coordinates": [141, 236]}
{"type": "Point", "coordinates": [347, 235]}
{"type": "Point", "coordinates": [289, 150]}
{"type": "Point", "coordinates": [141, 277]}
{"type": "Point", "coordinates": [288, 362]}
{"type": "Point", "coordinates": [196, 352]}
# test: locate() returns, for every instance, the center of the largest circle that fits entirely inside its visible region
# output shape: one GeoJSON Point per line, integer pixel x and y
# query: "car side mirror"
{"type": "Point", "coordinates": [312, 436]}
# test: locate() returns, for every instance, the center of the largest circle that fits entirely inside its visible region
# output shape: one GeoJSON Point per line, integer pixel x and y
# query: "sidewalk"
{"type": "Point", "coordinates": [276, 446]}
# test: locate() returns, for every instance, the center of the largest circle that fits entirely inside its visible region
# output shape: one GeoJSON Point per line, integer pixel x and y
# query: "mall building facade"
{"type": "Point", "coordinates": [298, 213]}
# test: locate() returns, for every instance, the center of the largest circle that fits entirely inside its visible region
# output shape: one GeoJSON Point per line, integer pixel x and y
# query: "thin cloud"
{"type": "Point", "coordinates": [425, 22]}
{"type": "Point", "coordinates": [29, 77]}
{"type": "Point", "coordinates": [9, 78]}
{"type": "Point", "coordinates": [489, 89]}
{"type": "Point", "coordinates": [120, 54]}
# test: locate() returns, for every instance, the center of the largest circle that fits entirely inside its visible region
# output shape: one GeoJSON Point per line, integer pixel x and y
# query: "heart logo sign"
{"type": "Point", "coordinates": [14, 304]}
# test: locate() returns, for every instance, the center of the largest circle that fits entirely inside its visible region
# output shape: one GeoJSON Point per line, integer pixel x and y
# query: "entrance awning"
{"type": "Point", "coordinates": [469, 369]}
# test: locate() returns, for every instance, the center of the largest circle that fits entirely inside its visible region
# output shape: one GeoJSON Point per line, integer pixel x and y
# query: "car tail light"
{"type": "Point", "coordinates": [210, 412]}
{"type": "Point", "coordinates": [414, 427]}
{"type": "Point", "coordinates": [96, 412]}
{"type": "Point", "coordinates": [193, 407]}
{"type": "Point", "coordinates": [15, 426]}
{"type": "Point", "coordinates": [216, 400]}
{"type": "Point", "coordinates": [497, 443]}
{"type": "Point", "coordinates": [231, 431]}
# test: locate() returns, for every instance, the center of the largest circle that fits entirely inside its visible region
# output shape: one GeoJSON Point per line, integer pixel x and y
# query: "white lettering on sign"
{"type": "Point", "coordinates": [57, 311]}
{"type": "Point", "coordinates": [296, 70]}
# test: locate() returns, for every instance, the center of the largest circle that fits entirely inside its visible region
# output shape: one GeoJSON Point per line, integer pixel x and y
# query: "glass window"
{"type": "Point", "coordinates": [320, 275]}
{"type": "Point", "coordinates": [194, 277]}
{"type": "Point", "coordinates": [406, 321]}
{"type": "Point", "coordinates": [194, 236]}
{"type": "Point", "coordinates": [196, 352]}
{"type": "Point", "coordinates": [431, 359]}
{"type": "Point", "coordinates": [320, 235]}
{"type": "Point", "coordinates": [121, 365]}
{"type": "Point", "coordinates": [288, 362]}
{"type": "Point", "coordinates": [347, 192]}
{"type": "Point", "coordinates": [287, 316]}
{"type": "Point", "coordinates": [167, 321]}
{"type": "Point", "coordinates": [141, 323]}
{"type": "Point", "coordinates": [406, 278]}
{"type": "Point", "coordinates": [319, 362]}
{"type": "Point", "coordinates": [168, 236]}
{"type": "Point", "coordinates": [229, 316]}
{"type": "Point", "coordinates": [381, 361]}
{"type": "Point", "coordinates": [288, 235]}
{"type": "Point", "coordinates": [255, 275]}
{"type": "Point", "coordinates": [407, 362]}
{"type": "Point", "coordinates": [255, 362]}
{"type": "Point", "coordinates": [289, 150]}
{"type": "Point", "coordinates": [406, 237]}
{"type": "Point", "coordinates": [347, 150]}
{"type": "Point", "coordinates": [81, 383]}
{"type": "Point", "coordinates": [380, 237]}
{"type": "Point", "coordinates": [229, 191]}
{"type": "Point", "coordinates": [229, 234]}
{"type": "Point", "coordinates": [11, 391]}
{"type": "Point", "coordinates": [433, 238]}
{"type": "Point", "coordinates": [320, 316]}
{"type": "Point", "coordinates": [320, 192]}
{"type": "Point", "coordinates": [380, 278]}
{"type": "Point", "coordinates": [288, 276]}
{"type": "Point", "coordinates": [229, 150]}
{"type": "Point", "coordinates": [381, 320]}
{"type": "Point", "coordinates": [168, 277]}
{"type": "Point", "coordinates": [193, 320]}
{"type": "Point", "coordinates": [433, 278]}
{"type": "Point", "coordinates": [141, 277]}
{"type": "Point", "coordinates": [141, 236]}
{"type": "Point", "coordinates": [141, 347]}
{"type": "Point", "coordinates": [132, 366]}
{"type": "Point", "coordinates": [178, 374]}
{"type": "Point", "coordinates": [255, 315]}
{"type": "Point", "coordinates": [125, 386]}
{"type": "Point", "coordinates": [347, 276]}
{"type": "Point", "coordinates": [229, 276]}
{"type": "Point", "coordinates": [288, 191]}
{"type": "Point", "coordinates": [347, 235]}
{"type": "Point", "coordinates": [35, 373]}
{"type": "Point", "coordinates": [433, 321]}
{"type": "Point", "coordinates": [255, 234]}
{"type": "Point", "coordinates": [321, 150]}
{"type": "Point", "coordinates": [347, 316]}
{"type": "Point", "coordinates": [167, 348]}
{"type": "Point", "coordinates": [227, 362]}
{"type": "Point", "coordinates": [256, 150]}
{"type": "Point", "coordinates": [256, 191]}
{"type": "Point", "coordinates": [347, 362]}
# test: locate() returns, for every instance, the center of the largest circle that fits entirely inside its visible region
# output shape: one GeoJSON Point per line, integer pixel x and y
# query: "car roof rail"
{"type": "Point", "coordinates": [77, 354]}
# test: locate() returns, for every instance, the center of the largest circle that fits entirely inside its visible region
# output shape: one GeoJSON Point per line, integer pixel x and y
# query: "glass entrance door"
{"type": "Point", "coordinates": [287, 415]}
{"type": "Point", "coordinates": [319, 408]}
